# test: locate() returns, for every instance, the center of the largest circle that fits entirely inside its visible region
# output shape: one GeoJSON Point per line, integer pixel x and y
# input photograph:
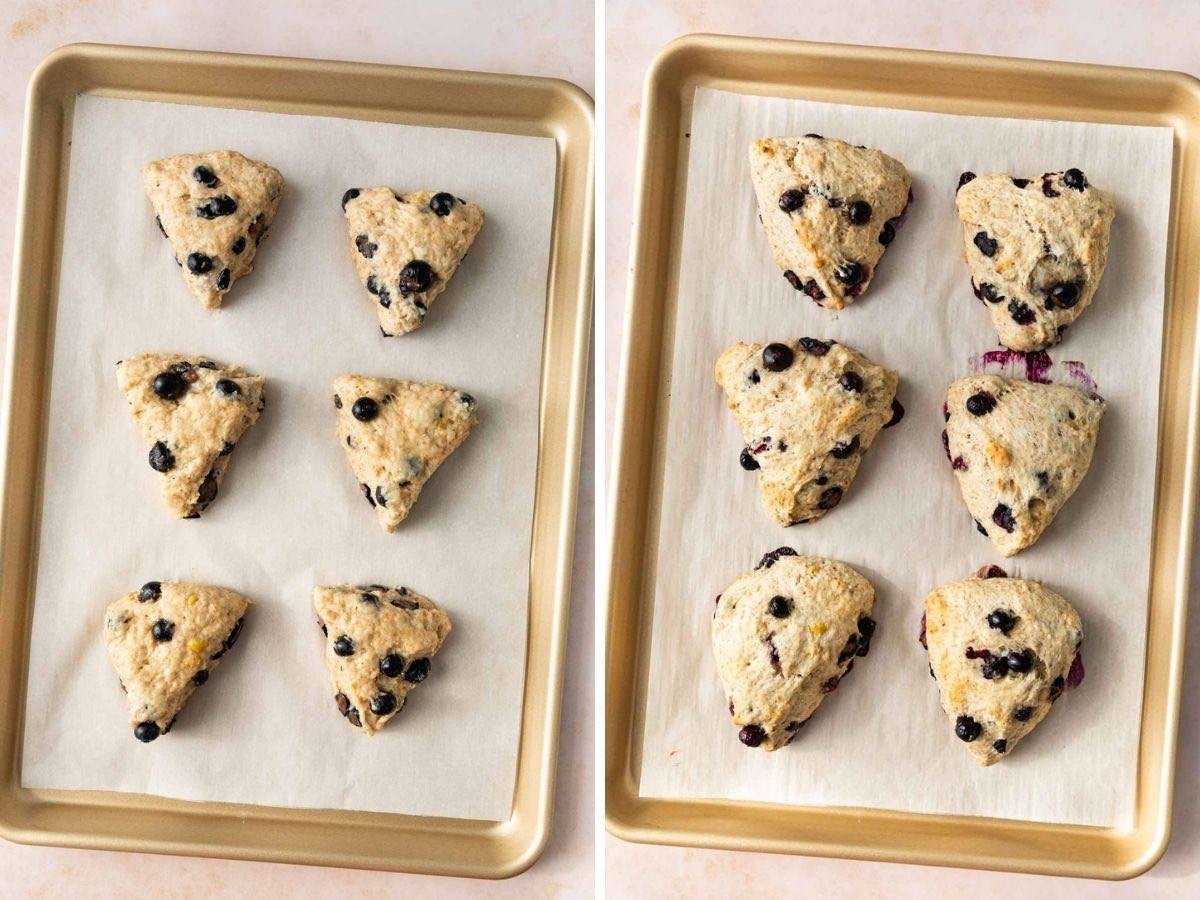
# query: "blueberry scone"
{"type": "Point", "coordinates": [164, 641]}
{"type": "Point", "coordinates": [830, 209]}
{"type": "Point", "coordinates": [214, 208]}
{"type": "Point", "coordinates": [784, 636]}
{"type": "Point", "coordinates": [1002, 650]}
{"type": "Point", "coordinates": [808, 411]}
{"type": "Point", "coordinates": [378, 644]}
{"type": "Point", "coordinates": [192, 411]}
{"type": "Point", "coordinates": [1036, 248]}
{"type": "Point", "coordinates": [406, 247]}
{"type": "Point", "coordinates": [1019, 450]}
{"type": "Point", "coordinates": [396, 434]}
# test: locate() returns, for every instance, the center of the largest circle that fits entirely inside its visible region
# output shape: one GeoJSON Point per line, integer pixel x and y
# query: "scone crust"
{"type": "Point", "coordinates": [1045, 233]}
{"type": "Point", "coordinates": [794, 420]}
{"type": "Point", "coordinates": [811, 242]}
{"type": "Point", "coordinates": [388, 231]}
{"type": "Point", "coordinates": [254, 186]}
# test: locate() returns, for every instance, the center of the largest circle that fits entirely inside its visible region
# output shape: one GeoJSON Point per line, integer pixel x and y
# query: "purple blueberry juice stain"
{"type": "Point", "coordinates": [1075, 675]}
{"type": "Point", "coordinates": [1038, 367]}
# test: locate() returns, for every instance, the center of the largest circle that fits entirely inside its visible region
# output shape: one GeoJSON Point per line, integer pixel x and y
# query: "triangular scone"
{"type": "Point", "coordinates": [214, 208]}
{"type": "Point", "coordinates": [164, 641]}
{"type": "Point", "coordinates": [830, 209]}
{"type": "Point", "coordinates": [1036, 248]}
{"type": "Point", "coordinates": [1019, 450]}
{"type": "Point", "coordinates": [406, 248]}
{"type": "Point", "coordinates": [192, 412]}
{"type": "Point", "coordinates": [808, 411]}
{"type": "Point", "coordinates": [1002, 650]}
{"type": "Point", "coordinates": [396, 434]}
{"type": "Point", "coordinates": [378, 643]}
{"type": "Point", "coordinates": [784, 635]}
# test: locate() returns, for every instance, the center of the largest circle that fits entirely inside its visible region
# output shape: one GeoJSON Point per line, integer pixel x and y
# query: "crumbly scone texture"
{"type": "Point", "coordinates": [991, 706]}
{"type": "Point", "coordinates": [1036, 248]}
{"type": "Point", "coordinates": [164, 641]}
{"type": "Point", "coordinates": [406, 247]}
{"type": "Point", "coordinates": [214, 208]}
{"type": "Point", "coordinates": [378, 646]}
{"type": "Point", "coordinates": [807, 426]}
{"type": "Point", "coordinates": [191, 433]}
{"type": "Point", "coordinates": [806, 189]}
{"type": "Point", "coordinates": [1019, 450]}
{"type": "Point", "coordinates": [406, 430]}
{"type": "Point", "coordinates": [783, 636]}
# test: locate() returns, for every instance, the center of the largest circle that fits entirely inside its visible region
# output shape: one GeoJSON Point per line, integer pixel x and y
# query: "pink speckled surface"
{"type": "Point", "coordinates": [1157, 34]}
{"type": "Point", "coordinates": [534, 37]}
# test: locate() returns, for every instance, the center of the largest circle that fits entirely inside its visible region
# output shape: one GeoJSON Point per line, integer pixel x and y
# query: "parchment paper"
{"type": "Point", "coordinates": [882, 740]}
{"type": "Point", "coordinates": [290, 515]}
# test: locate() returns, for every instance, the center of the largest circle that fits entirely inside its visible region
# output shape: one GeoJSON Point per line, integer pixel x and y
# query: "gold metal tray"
{"type": "Point", "coordinates": [465, 100]}
{"type": "Point", "coordinates": [935, 82]}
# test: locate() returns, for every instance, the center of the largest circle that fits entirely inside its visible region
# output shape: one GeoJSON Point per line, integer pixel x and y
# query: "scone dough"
{"type": "Point", "coordinates": [396, 434]}
{"type": "Point", "coordinates": [1036, 248]}
{"type": "Point", "coordinates": [406, 247]}
{"type": "Point", "coordinates": [1002, 650]}
{"type": "Point", "coordinates": [192, 412]}
{"type": "Point", "coordinates": [1019, 450]}
{"type": "Point", "coordinates": [214, 208]}
{"type": "Point", "coordinates": [808, 411]}
{"type": "Point", "coordinates": [378, 644]}
{"type": "Point", "coordinates": [830, 209]}
{"type": "Point", "coordinates": [784, 635]}
{"type": "Point", "coordinates": [164, 641]}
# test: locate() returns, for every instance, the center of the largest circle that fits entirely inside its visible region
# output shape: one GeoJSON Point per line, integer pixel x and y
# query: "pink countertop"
{"type": "Point", "coordinates": [1150, 33]}
{"type": "Point", "coordinates": [534, 38]}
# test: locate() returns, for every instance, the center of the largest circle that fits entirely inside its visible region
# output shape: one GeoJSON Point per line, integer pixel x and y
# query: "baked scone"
{"type": "Point", "coordinates": [192, 411]}
{"type": "Point", "coordinates": [1002, 650]}
{"type": "Point", "coordinates": [164, 641]}
{"type": "Point", "coordinates": [1036, 248]}
{"type": "Point", "coordinates": [830, 209]}
{"type": "Point", "coordinates": [406, 247]}
{"type": "Point", "coordinates": [808, 411]}
{"type": "Point", "coordinates": [378, 643]}
{"type": "Point", "coordinates": [1019, 450]}
{"type": "Point", "coordinates": [396, 434]}
{"type": "Point", "coordinates": [784, 635]}
{"type": "Point", "coordinates": [214, 208]}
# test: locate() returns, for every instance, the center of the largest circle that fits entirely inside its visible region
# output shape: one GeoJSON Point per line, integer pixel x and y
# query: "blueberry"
{"type": "Point", "coordinates": [1000, 619]}
{"type": "Point", "coordinates": [238, 246]}
{"type": "Point", "coordinates": [227, 387]}
{"type": "Point", "coordinates": [442, 203]}
{"type": "Point", "coordinates": [851, 381]}
{"type": "Point", "coordinates": [1020, 661]}
{"type": "Point", "coordinates": [163, 630]}
{"type": "Point", "coordinates": [779, 607]}
{"type": "Point", "coordinates": [830, 498]}
{"type": "Point", "coordinates": [859, 212]}
{"type": "Point", "coordinates": [1048, 186]}
{"type": "Point", "coordinates": [169, 385]}
{"type": "Point", "coordinates": [850, 273]}
{"type": "Point", "coordinates": [146, 732]}
{"type": "Point", "coordinates": [207, 491]}
{"type": "Point", "coordinates": [223, 280]}
{"type": "Point", "coordinates": [1043, 480]}
{"type": "Point", "coordinates": [1003, 516]}
{"type": "Point", "coordinates": [1056, 687]}
{"type": "Point", "coordinates": [365, 409]}
{"type": "Point", "coordinates": [354, 718]}
{"type": "Point", "coordinates": [815, 347]}
{"type": "Point", "coordinates": [385, 299]}
{"type": "Point", "coordinates": [392, 665]}
{"type": "Point", "coordinates": [366, 489]}
{"type": "Point", "coordinates": [989, 293]}
{"type": "Point", "coordinates": [343, 702]}
{"type": "Point", "coordinates": [379, 497]}
{"type": "Point", "coordinates": [1000, 746]}
{"type": "Point", "coordinates": [417, 671]}
{"type": "Point", "coordinates": [790, 201]}
{"type": "Point", "coordinates": [747, 460]}
{"type": "Point", "coordinates": [967, 728]}
{"type": "Point", "coordinates": [161, 459]}
{"type": "Point", "coordinates": [230, 639]}
{"type": "Point", "coordinates": [198, 263]}
{"type": "Point", "coordinates": [965, 177]}
{"type": "Point", "coordinates": [416, 278]}
{"type": "Point", "coordinates": [1023, 714]}
{"type": "Point", "coordinates": [1075, 179]}
{"type": "Point", "coordinates": [994, 667]}
{"type": "Point", "coordinates": [843, 450]}
{"type": "Point", "coordinates": [813, 134]}
{"type": "Point", "coordinates": [752, 735]}
{"type": "Point", "coordinates": [215, 207]}
{"type": "Point", "coordinates": [205, 176]}
{"type": "Point", "coordinates": [365, 247]}
{"type": "Point", "coordinates": [348, 196]}
{"type": "Point", "coordinates": [200, 677]}
{"type": "Point", "coordinates": [887, 234]}
{"type": "Point", "coordinates": [372, 284]}
{"type": "Point", "coordinates": [897, 414]}
{"type": "Point", "coordinates": [793, 279]}
{"type": "Point", "coordinates": [981, 404]}
{"type": "Point", "coordinates": [986, 245]}
{"type": "Point", "coordinates": [769, 559]}
{"type": "Point", "coordinates": [1021, 182]}
{"type": "Point", "coordinates": [151, 590]}
{"type": "Point", "coordinates": [1064, 295]}
{"type": "Point", "coordinates": [777, 357]}
{"type": "Point", "coordinates": [1021, 314]}
{"type": "Point", "coordinates": [980, 528]}
{"type": "Point", "coordinates": [343, 646]}
{"type": "Point", "coordinates": [383, 703]}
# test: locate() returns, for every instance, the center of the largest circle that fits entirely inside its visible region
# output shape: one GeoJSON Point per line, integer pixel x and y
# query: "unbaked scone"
{"type": "Point", "coordinates": [192, 411]}
{"type": "Point", "coordinates": [378, 644]}
{"type": "Point", "coordinates": [214, 208]}
{"type": "Point", "coordinates": [396, 434]}
{"type": "Point", "coordinates": [1036, 248]}
{"type": "Point", "coordinates": [784, 636]}
{"type": "Point", "coordinates": [808, 411]}
{"type": "Point", "coordinates": [1019, 450]}
{"type": "Point", "coordinates": [1002, 650]}
{"type": "Point", "coordinates": [164, 641]}
{"type": "Point", "coordinates": [406, 247]}
{"type": "Point", "coordinates": [830, 209]}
